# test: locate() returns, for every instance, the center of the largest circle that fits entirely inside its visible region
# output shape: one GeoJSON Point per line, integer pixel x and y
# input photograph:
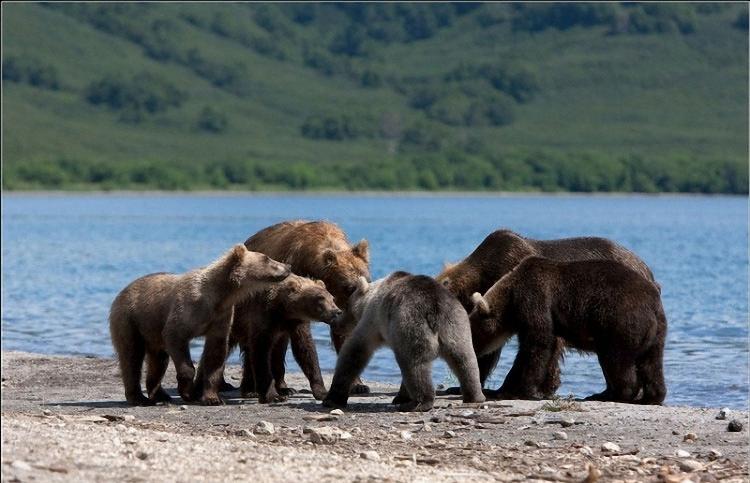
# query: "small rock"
{"type": "Point", "coordinates": [714, 454]}
{"type": "Point", "coordinates": [723, 413]}
{"type": "Point", "coordinates": [586, 451]}
{"type": "Point", "coordinates": [484, 406]}
{"type": "Point", "coordinates": [438, 418]}
{"type": "Point", "coordinates": [21, 465]}
{"type": "Point", "coordinates": [675, 432]}
{"type": "Point", "coordinates": [141, 455]}
{"type": "Point", "coordinates": [182, 407]}
{"type": "Point", "coordinates": [405, 435]}
{"type": "Point", "coordinates": [327, 435]}
{"type": "Point", "coordinates": [264, 427]}
{"type": "Point", "coordinates": [735, 426]}
{"type": "Point", "coordinates": [561, 435]}
{"type": "Point", "coordinates": [244, 433]}
{"type": "Point", "coordinates": [336, 412]}
{"type": "Point", "coordinates": [690, 466]}
{"type": "Point", "coordinates": [610, 447]}
{"type": "Point", "coordinates": [128, 417]}
{"type": "Point", "coordinates": [47, 412]}
{"type": "Point", "coordinates": [370, 455]}
{"type": "Point", "coordinates": [449, 434]}
{"type": "Point", "coordinates": [690, 437]}
{"type": "Point", "coordinates": [681, 453]}
{"type": "Point", "coordinates": [534, 444]}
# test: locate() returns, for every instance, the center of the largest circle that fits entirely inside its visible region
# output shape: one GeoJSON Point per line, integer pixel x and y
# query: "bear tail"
{"type": "Point", "coordinates": [650, 366]}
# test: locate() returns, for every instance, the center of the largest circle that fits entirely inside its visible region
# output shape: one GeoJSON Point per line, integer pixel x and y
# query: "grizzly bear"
{"type": "Point", "coordinates": [598, 306]}
{"type": "Point", "coordinates": [157, 316]}
{"type": "Point", "coordinates": [265, 320]}
{"type": "Point", "coordinates": [421, 321]}
{"type": "Point", "coordinates": [501, 251]}
{"type": "Point", "coordinates": [319, 250]}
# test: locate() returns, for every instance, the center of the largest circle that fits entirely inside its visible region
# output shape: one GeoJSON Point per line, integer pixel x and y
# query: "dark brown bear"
{"type": "Point", "coordinates": [598, 306]}
{"type": "Point", "coordinates": [319, 250]}
{"type": "Point", "coordinates": [263, 324]}
{"type": "Point", "coordinates": [501, 251]}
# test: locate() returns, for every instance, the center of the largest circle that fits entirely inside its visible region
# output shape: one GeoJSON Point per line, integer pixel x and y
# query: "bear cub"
{"type": "Point", "coordinates": [157, 316]}
{"type": "Point", "coordinates": [421, 321]}
{"type": "Point", "coordinates": [261, 329]}
{"type": "Point", "coordinates": [598, 306]}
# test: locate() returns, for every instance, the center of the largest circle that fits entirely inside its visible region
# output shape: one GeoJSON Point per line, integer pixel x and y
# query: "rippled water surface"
{"type": "Point", "coordinates": [64, 258]}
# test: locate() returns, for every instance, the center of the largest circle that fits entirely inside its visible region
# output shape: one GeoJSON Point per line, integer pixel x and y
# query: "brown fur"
{"type": "Point", "coordinates": [156, 316]}
{"type": "Point", "coordinates": [265, 321]}
{"type": "Point", "coordinates": [599, 306]}
{"type": "Point", "coordinates": [501, 251]}
{"type": "Point", "coordinates": [319, 250]}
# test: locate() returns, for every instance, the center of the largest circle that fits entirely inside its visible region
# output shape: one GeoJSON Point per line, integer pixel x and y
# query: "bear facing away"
{"type": "Point", "coordinates": [421, 321]}
{"type": "Point", "coordinates": [261, 328]}
{"type": "Point", "coordinates": [501, 251]}
{"type": "Point", "coordinates": [157, 316]}
{"type": "Point", "coordinates": [319, 250]}
{"type": "Point", "coordinates": [598, 306]}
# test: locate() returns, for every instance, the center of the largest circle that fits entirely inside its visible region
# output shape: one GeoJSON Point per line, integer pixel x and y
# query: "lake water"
{"type": "Point", "coordinates": [64, 258]}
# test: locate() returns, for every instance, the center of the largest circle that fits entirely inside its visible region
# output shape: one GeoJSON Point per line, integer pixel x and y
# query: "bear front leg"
{"type": "Point", "coordinates": [303, 348]}
{"type": "Point", "coordinates": [264, 383]}
{"type": "Point", "coordinates": [278, 365]}
{"type": "Point", "coordinates": [247, 384]}
{"type": "Point", "coordinates": [352, 360]}
{"type": "Point", "coordinates": [212, 362]}
{"type": "Point", "coordinates": [536, 343]}
{"type": "Point", "coordinates": [339, 334]}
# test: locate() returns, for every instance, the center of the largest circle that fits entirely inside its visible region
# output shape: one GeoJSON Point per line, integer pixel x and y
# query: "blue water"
{"type": "Point", "coordinates": [64, 258]}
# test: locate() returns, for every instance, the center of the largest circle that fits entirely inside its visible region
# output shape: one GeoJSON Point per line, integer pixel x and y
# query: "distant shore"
{"type": "Point", "coordinates": [64, 419]}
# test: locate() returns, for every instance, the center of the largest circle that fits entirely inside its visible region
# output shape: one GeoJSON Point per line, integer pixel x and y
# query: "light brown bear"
{"type": "Point", "coordinates": [503, 250]}
{"type": "Point", "coordinates": [319, 250]}
{"type": "Point", "coordinates": [157, 316]}
{"type": "Point", "coordinates": [598, 306]}
{"type": "Point", "coordinates": [262, 326]}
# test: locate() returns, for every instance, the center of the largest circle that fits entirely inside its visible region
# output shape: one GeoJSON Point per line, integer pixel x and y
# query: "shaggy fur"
{"type": "Point", "coordinates": [319, 250]}
{"type": "Point", "coordinates": [501, 251]}
{"type": "Point", "coordinates": [157, 316]}
{"type": "Point", "coordinates": [420, 320]}
{"type": "Point", "coordinates": [263, 324]}
{"type": "Point", "coordinates": [598, 306]}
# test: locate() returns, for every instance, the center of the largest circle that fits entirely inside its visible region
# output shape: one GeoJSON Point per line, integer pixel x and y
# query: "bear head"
{"type": "Point", "coordinates": [343, 268]}
{"type": "Point", "coordinates": [306, 299]}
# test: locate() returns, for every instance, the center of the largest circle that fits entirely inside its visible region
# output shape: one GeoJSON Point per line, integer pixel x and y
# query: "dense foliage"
{"type": "Point", "coordinates": [437, 96]}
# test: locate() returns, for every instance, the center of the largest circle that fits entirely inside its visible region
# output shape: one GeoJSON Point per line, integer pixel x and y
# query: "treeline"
{"type": "Point", "coordinates": [540, 171]}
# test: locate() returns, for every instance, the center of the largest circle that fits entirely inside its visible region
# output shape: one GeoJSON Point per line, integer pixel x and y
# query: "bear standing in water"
{"type": "Point", "coordinates": [421, 321]}
{"type": "Point", "coordinates": [596, 306]}
{"type": "Point", "coordinates": [157, 316]}
{"type": "Point", "coordinates": [500, 252]}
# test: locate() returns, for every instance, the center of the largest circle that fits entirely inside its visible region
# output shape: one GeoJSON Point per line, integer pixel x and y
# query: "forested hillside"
{"type": "Point", "coordinates": [580, 97]}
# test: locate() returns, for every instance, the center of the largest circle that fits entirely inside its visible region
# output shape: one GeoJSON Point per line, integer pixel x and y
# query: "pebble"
{"type": "Point", "coordinates": [690, 437]}
{"type": "Point", "coordinates": [264, 427]}
{"type": "Point", "coordinates": [449, 434]}
{"type": "Point", "coordinates": [562, 435]}
{"type": "Point", "coordinates": [438, 418]}
{"type": "Point", "coordinates": [586, 451]}
{"type": "Point", "coordinates": [714, 454]}
{"type": "Point", "coordinates": [405, 435]}
{"type": "Point", "coordinates": [244, 433]}
{"type": "Point", "coordinates": [327, 435]}
{"type": "Point", "coordinates": [21, 465]}
{"type": "Point", "coordinates": [141, 455]}
{"type": "Point", "coordinates": [690, 466]}
{"type": "Point", "coordinates": [735, 426]}
{"type": "Point", "coordinates": [681, 453]}
{"type": "Point", "coordinates": [610, 447]}
{"type": "Point", "coordinates": [723, 412]}
{"type": "Point", "coordinates": [337, 412]}
{"type": "Point", "coordinates": [47, 412]}
{"type": "Point", "coordinates": [182, 407]}
{"type": "Point", "coordinates": [370, 455]}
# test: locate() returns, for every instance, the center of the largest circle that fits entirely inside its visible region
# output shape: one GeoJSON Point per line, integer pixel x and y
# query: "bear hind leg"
{"type": "Point", "coordinates": [622, 379]}
{"type": "Point", "coordinates": [463, 362]}
{"type": "Point", "coordinates": [417, 379]}
{"type": "Point", "coordinates": [156, 366]}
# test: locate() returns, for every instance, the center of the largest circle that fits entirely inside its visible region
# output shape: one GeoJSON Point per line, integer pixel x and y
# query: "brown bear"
{"type": "Point", "coordinates": [421, 321]}
{"type": "Point", "coordinates": [264, 321]}
{"type": "Point", "coordinates": [599, 306]}
{"type": "Point", "coordinates": [157, 316]}
{"type": "Point", "coordinates": [500, 252]}
{"type": "Point", "coordinates": [319, 250]}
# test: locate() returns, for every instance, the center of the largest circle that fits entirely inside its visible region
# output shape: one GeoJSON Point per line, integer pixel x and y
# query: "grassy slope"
{"type": "Point", "coordinates": [656, 95]}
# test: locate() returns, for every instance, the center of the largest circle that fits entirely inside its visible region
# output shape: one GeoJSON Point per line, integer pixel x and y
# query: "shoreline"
{"type": "Point", "coordinates": [64, 419]}
{"type": "Point", "coordinates": [363, 194]}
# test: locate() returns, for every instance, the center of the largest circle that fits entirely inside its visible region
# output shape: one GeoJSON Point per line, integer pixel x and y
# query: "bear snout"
{"type": "Point", "coordinates": [333, 316]}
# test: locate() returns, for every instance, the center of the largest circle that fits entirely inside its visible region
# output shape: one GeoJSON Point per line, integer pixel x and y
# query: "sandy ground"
{"type": "Point", "coordinates": [64, 419]}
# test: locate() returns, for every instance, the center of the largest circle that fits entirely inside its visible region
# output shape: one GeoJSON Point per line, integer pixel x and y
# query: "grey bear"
{"type": "Point", "coordinates": [598, 306]}
{"type": "Point", "coordinates": [420, 320]}
{"type": "Point", "coordinates": [157, 316]}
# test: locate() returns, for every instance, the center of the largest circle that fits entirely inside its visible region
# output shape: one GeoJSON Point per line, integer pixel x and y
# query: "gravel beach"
{"type": "Point", "coordinates": [64, 419]}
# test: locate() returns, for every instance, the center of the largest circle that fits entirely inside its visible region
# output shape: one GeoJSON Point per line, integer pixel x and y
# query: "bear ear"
{"type": "Point", "coordinates": [329, 257]}
{"type": "Point", "coordinates": [480, 303]}
{"type": "Point", "coordinates": [362, 250]}
{"type": "Point", "coordinates": [362, 284]}
{"type": "Point", "coordinates": [320, 283]}
{"type": "Point", "coordinates": [238, 252]}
